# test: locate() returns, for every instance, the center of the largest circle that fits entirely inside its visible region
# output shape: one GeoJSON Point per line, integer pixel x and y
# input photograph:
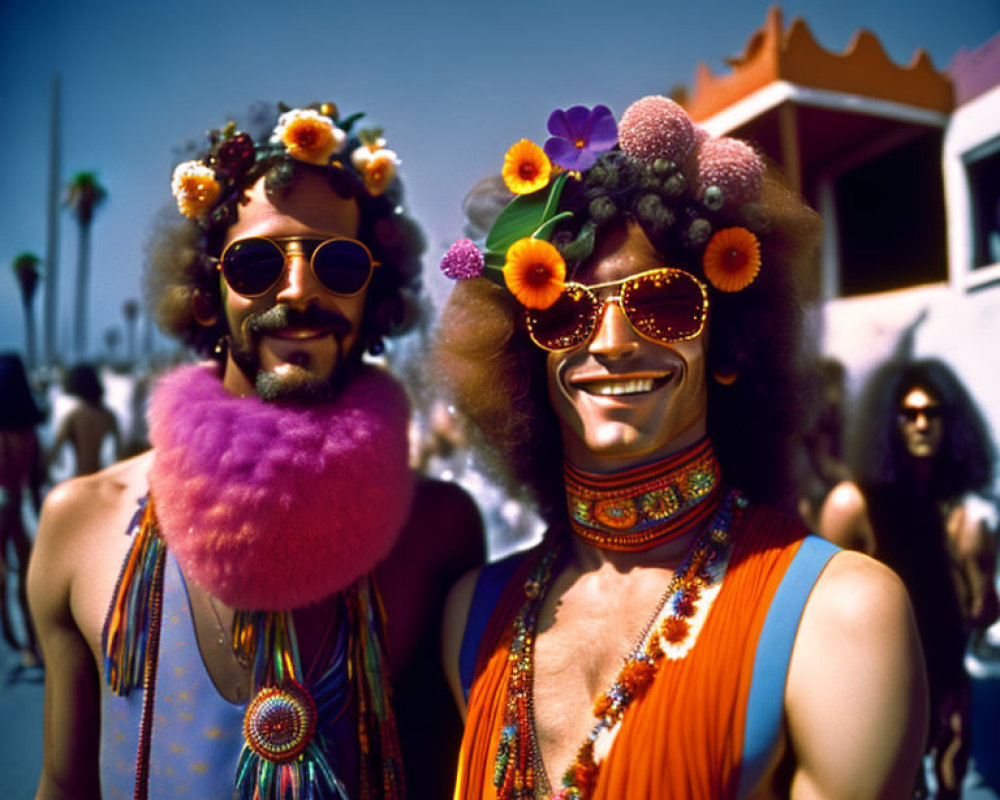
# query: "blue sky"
{"type": "Point", "coordinates": [453, 83]}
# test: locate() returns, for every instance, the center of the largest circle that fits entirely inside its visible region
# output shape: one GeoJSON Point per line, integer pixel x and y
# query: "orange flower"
{"type": "Point", "coordinates": [674, 630]}
{"type": "Point", "coordinates": [309, 136]}
{"type": "Point", "coordinates": [732, 259]}
{"type": "Point", "coordinates": [194, 188]}
{"type": "Point", "coordinates": [377, 166]}
{"type": "Point", "coordinates": [379, 172]}
{"type": "Point", "coordinates": [637, 675]}
{"type": "Point", "coordinates": [535, 272]}
{"type": "Point", "coordinates": [526, 168]}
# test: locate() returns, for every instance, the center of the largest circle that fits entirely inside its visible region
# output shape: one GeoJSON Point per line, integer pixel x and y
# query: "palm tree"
{"type": "Point", "coordinates": [83, 195]}
{"type": "Point", "coordinates": [130, 310]}
{"type": "Point", "coordinates": [26, 270]}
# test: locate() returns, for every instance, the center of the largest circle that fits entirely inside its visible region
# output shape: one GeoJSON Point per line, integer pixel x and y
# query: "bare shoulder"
{"type": "Point", "coordinates": [856, 693]}
{"type": "Point", "coordinates": [72, 506]}
{"type": "Point", "coordinates": [81, 544]}
{"type": "Point", "coordinates": [843, 519]}
{"type": "Point", "coordinates": [969, 526]}
{"type": "Point", "coordinates": [844, 502]}
{"type": "Point", "coordinates": [855, 588]}
{"type": "Point", "coordinates": [456, 614]}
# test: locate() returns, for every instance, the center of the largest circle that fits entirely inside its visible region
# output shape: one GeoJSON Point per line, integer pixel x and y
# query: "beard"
{"type": "Point", "coordinates": [300, 383]}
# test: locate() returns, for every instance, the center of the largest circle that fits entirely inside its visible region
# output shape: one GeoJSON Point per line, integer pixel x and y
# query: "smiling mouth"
{"type": "Point", "coordinates": [297, 334]}
{"type": "Point", "coordinates": [622, 386]}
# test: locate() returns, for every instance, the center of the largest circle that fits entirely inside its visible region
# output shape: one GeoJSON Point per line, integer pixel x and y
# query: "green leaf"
{"type": "Point", "coordinates": [369, 136]}
{"type": "Point", "coordinates": [524, 215]}
{"type": "Point", "coordinates": [544, 231]}
{"type": "Point", "coordinates": [494, 258]}
{"type": "Point", "coordinates": [582, 246]}
{"type": "Point", "coordinates": [555, 194]}
{"type": "Point", "coordinates": [346, 124]}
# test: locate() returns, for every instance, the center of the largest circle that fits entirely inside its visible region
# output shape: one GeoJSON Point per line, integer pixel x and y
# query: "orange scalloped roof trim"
{"type": "Point", "coordinates": [772, 54]}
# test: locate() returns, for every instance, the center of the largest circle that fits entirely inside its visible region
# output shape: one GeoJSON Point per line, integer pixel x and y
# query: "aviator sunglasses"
{"type": "Point", "coordinates": [664, 305]}
{"type": "Point", "coordinates": [252, 266]}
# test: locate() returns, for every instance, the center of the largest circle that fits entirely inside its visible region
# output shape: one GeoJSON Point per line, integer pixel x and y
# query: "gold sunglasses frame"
{"type": "Point", "coordinates": [659, 337]}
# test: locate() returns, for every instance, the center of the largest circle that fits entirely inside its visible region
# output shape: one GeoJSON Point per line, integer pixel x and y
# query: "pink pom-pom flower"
{"type": "Point", "coordinates": [463, 261]}
{"type": "Point", "coordinates": [732, 166]}
{"type": "Point", "coordinates": [656, 127]}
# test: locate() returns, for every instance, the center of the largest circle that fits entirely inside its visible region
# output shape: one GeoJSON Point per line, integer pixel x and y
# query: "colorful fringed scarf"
{"type": "Point", "coordinates": [646, 506]}
{"type": "Point", "coordinates": [285, 750]}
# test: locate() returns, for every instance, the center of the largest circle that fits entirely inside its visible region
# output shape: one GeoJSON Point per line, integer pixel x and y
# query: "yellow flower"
{"type": "Point", "coordinates": [309, 136]}
{"type": "Point", "coordinates": [194, 188]}
{"type": "Point", "coordinates": [377, 166]}
{"type": "Point", "coordinates": [526, 168]}
{"type": "Point", "coordinates": [535, 272]}
{"type": "Point", "coordinates": [732, 259]}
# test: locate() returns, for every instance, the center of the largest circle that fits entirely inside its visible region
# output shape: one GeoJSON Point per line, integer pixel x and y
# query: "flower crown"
{"type": "Point", "coordinates": [690, 182]}
{"type": "Point", "coordinates": [207, 189]}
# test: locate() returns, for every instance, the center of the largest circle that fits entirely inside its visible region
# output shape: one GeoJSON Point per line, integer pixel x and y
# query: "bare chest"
{"type": "Point", "coordinates": [584, 636]}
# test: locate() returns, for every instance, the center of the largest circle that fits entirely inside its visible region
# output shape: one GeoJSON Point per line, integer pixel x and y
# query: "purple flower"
{"type": "Point", "coordinates": [580, 135]}
{"type": "Point", "coordinates": [463, 261]}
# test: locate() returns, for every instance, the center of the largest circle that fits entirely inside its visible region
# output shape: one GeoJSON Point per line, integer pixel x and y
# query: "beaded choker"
{"type": "Point", "coordinates": [646, 506]}
{"type": "Point", "coordinates": [673, 628]}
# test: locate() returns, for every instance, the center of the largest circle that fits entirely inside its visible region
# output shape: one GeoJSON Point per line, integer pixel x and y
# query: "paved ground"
{"type": "Point", "coordinates": [20, 727]}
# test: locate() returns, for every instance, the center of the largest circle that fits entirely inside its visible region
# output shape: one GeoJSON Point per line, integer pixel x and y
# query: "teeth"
{"type": "Point", "coordinates": [613, 388]}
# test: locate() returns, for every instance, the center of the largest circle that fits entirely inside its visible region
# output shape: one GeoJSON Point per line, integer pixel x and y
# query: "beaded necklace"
{"type": "Point", "coordinates": [646, 506]}
{"type": "Point", "coordinates": [286, 724]}
{"type": "Point", "coordinates": [670, 635]}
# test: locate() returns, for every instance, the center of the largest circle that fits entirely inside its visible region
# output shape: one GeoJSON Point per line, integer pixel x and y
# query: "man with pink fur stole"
{"type": "Point", "coordinates": [227, 615]}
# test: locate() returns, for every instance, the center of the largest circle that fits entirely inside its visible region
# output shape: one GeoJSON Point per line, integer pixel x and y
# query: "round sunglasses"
{"type": "Point", "coordinates": [252, 266]}
{"type": "Point", "coordinates": [663, 305]}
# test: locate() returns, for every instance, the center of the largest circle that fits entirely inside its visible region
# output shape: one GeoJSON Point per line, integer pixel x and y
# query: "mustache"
{"type": "Point", "coordinates": [281, 317]}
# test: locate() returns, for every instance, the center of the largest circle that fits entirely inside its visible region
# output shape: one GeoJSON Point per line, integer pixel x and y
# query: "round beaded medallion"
{"type": "Point", "coordinates": [280, 722]}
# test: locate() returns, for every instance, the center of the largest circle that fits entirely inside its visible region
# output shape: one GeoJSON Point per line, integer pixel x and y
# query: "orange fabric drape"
{"type": "Point", "coordinates": [684, 739]}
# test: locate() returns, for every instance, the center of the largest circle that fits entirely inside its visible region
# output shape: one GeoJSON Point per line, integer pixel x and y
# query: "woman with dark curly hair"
{"type": "Point", "coordinates": [920, 453]}
{"type": "Point", "coordinates": [627, 342]}
{"type": "Point", "coordinates": [277, 542]}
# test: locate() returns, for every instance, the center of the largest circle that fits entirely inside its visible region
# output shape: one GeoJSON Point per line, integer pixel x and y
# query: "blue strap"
{"type": "Point", "coordinates": [489, 586]}
{"type": "Point", "coordinates": [766, 703]}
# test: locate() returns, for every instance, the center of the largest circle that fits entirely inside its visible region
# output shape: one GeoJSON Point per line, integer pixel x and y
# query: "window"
{"type": "Point", "coordinates": [890, 212]}
{"type": "Point", "coordinates": [983, 168]}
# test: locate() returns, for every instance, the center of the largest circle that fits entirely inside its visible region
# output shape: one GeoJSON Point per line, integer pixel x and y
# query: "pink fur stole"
{"type": "Point", "coordinates": [273, 506]}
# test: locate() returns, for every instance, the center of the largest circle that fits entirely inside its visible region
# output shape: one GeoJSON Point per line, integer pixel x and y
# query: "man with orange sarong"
{"type": "Point", "coordinates": [673, 636]}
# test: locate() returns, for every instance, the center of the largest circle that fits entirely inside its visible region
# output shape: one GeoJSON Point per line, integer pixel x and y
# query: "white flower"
{"type": "Point", "coordinates": [194, 188]}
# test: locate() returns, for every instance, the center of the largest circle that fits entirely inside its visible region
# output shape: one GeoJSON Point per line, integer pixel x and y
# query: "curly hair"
{"type": "Point", "coordinates": [498, 376]}
{"type": "Point", "coordinates": [964, 460]}
{"type": "Point", "coordinates": [181, 253]}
